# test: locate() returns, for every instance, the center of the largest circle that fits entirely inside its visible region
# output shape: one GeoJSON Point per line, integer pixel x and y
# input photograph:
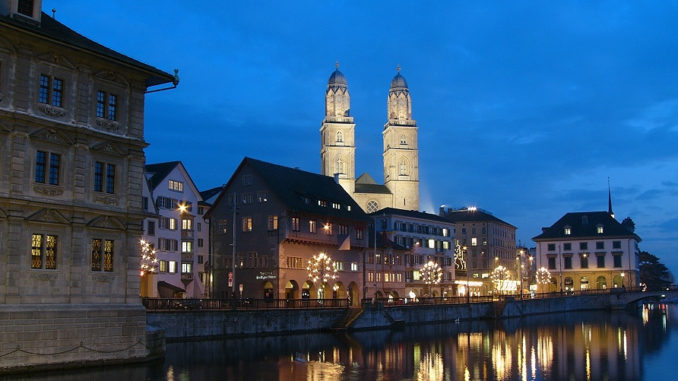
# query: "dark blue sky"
{"type": "Point", "coordinates": [524, 108]}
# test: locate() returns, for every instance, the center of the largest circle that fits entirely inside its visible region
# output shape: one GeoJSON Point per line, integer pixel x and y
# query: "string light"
{"type": "Point", "coordinates": [321, 268]}
{"type": "Point", "coordinates": [149, 259]}
{"type": "Point", "coordinates": [431, 273]}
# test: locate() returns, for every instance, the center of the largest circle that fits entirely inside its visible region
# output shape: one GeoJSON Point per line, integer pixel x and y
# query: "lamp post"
{"type": "Point", "coordinates": [468, 284]}
{"type": "Point", "coordinates": [623, 275]}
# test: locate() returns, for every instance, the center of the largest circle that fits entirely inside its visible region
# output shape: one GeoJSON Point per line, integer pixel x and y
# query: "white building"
{"type": "Point", "coordinates": [176, 232]}
{"type": "Point", "coordinates": [588, 250]}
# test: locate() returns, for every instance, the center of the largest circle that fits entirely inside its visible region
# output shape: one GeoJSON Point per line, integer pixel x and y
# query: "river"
{"type": "Point", "coordinates": [622, 345]}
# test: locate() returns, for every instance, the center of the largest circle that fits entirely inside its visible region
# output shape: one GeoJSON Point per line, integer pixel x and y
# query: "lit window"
{"type": "Point", "coordinates": [176, 186]}
{"type": "Point", "coordinates": [354, 266]}
{"type": "Point", "coordinates": [295, 224]}
{"type": "Point", "coordinates": [186, 267]}
{"type": "Point", "coordinates": [312, 226]}
{"type": "Point", "coordinates": [568, 230]}
{"type": "Point", "coordinates": [474, 241]}
{"type": "Point", "coordinates": [186, 246]}
{"type": "Point", "coordinates": [172, 223]}
{"type": "Point", "coordinates": [186, 224]}
{"type": "Point", "coordinates": [599, 229]}
{"type": "Point", "coordinates": [446, 232]}
{"type": "Point", "coordinates": [162, 267]}
{"type": "Point", "coordinates": [43, 251]}
{"type": "Point", "coordinates": [172, 267]}
{"type": "Point", "coordinates": [431, 243]}
{"type": "Point", "coordinates": [247, 224]}
{"type": "Point", "coordinates": [272, 223]}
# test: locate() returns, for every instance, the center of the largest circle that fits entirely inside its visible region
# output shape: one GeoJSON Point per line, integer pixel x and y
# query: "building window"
{"type": "Point", "coordinates": [551, 247]}
{"type": "Point", "coordinates": [172, 268]}
{"type": "Point", "coordinates": [601, 261]}
{"type": "Point", "coordinates": [43, 251]}
{"type": "Point", "coordinates": [567, 246]}
{"type": "Point", "coordinates": [201, 259]}
{"type": "Point", "coordinates": [199, 227]}
{"type": "Point", "coordinates": [51, 91]}
{"type": "Point", "coordinates": [567, 262]}
{"type": "Point", "coordinates": [584, 261]}
{"type": "Point", "coordinates": [150, 230]}
{"type": "Point", "coordinates": [295, 263]}
{"type": "Point", "coordinates": [339, 265]}
{"type": "Point", "coordinates": [186, 224]}
{"type": "Point", "coordinates": [176, 186]}
{"type": "Point", "coordinates": [248, 198]}
{"type": "Point", "coordinates": [272, 223]}
{"type": "Point", "coordinates": [222, 226]}
{"type": "Point", "coordinates": [247, 224]}
{"type": "Point", "coordinates": [312, 226]}
{"type": "Point", "coordinates": [247, 180]}
{"type": "Point", "coordinates": [343, 229]}
{"type": "Point", "coordinates": [474, 241]}
{"type": "Point", "coordinates": [552, 263]}
{"type": "Point", "coordinates": [583, 245]}
{"type": "Point", "coordinates": [295, 224]}
{"type": "Point", "coordinates": [402, 168]}
{"type": "Point", "coordinates": [431, 243]}
{"type": "Point", "coordinates": [144, 203]}
{"type": "Point", "coordinates": [42, 165]}
{"type": "Point", "coordinates": [99, 185]}
{"type": "Point", "coordinates": [162, 266]}
{"type": "Point", "coordinates": [25, 7]}
{"type": "Point", "coordinates": [262, 196]}
{"type": "Point", "coordinates": [617, 260]}
{"type": "Point", "coordinates": [186, 246]}
{"type": "Point", "coordinates": [403, 140]}
{"type": "Point", "coordinates": [372, 206]}
{"type": "Point", "coordinates": [359, 233]}
{"type": "Point", "coordinates": [107, 105]}
{"type": "Point", "coordinates": [599, 229]}
{"type": "Point", "coordinates": [616, 244]}
{"type": "Point", "coordinates": [186, 267]}
{"type": "Point", "coordinates": [172, 223]}
{"type": "Point", "coordinates": [446, 231]}
{"type": "Point", "coordinates": [568, 230]}
{"type": "Point", "coordinates": [200, 243]}
{"type": "Point", "coordinates": [340, 137]}
{"type": "Point", "coordinates": [354, 266]}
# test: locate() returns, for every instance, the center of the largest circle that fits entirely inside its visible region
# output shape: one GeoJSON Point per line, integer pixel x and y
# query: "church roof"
{"type": "Point", "coordinates": [585, 225]}
{"type": "Point", "coordinates": [410, 213]}
{"type": "Point", "coordinates": [398, 82]}
{"type": "Point", "coordinates": [300, 190]}
{"type": "Point", "coordinates": [366, 184]}
{"type": "Point", "coordinates": [337, 79]}
{"type": "Point", "coordinates": [52, 29]}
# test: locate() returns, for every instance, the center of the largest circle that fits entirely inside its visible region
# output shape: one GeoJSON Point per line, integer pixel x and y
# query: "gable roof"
{"type": "Point", "coordinates": [366, 184]}
{"type": "Point", "coordinates": [159, 171]}
{"type": "Point", "coordinates": [410, 213]}
{"type": "Point", "coordinates": [466, 215]}
{"type": "Point", "coordinates": [300, 190]}
{"type": "Point", "coordinates": [210, 195]}
{"type": "Point", "coordinates": [585, 225]}
{"type": "Point", "coordinates": [52, 29]}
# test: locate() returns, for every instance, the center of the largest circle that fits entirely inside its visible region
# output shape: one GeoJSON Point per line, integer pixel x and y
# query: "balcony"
{"type": "Point", "coordinates": [186, 257]}
{"type": "Point", "coordinates": [186, 234]}
{"type": "Point", "coordinates": [186, 277]}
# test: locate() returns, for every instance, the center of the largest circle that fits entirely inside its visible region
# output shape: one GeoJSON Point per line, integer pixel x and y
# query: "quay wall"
{"type": "Point", "coordinates": [224, 323]}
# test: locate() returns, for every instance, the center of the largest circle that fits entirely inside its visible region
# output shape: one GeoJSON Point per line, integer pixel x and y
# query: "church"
{"type": "Point", "coordinates": [401, 153]}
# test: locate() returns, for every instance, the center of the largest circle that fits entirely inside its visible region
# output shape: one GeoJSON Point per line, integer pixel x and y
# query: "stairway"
{"type": "Point", "coordinates": [349, 317]}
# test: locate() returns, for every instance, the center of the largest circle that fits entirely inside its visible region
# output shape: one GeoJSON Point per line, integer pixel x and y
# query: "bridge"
{"type": "Point", "coordinates": [620, 298]}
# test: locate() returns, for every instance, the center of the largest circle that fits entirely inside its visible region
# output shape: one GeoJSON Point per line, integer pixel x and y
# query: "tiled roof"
{"type": "Point", "coordinates": [300, 190]}
{"type": "Point", "coordinates": [51, 28]}
{"type": "Point", "coordinates": [410, 213]}
{"type": "Point", "coordinates": [159, 171]}
{"type": "Point", "coordinates": [465, 215]}
{"type": "Point", "coordinates": [210, 195]}
{"type": "Point", "coordinates": [585, 225]}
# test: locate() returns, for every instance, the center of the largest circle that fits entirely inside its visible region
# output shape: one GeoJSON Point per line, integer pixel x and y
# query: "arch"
{"type": "Point", "coordinates": [403, 140]}
{"type": "Point", "coordinates": [339, 166]}
{"type": "Point", "coordinates": [378, 295]}
{"type": "Point", "coordinates": [339, 291]}
{"type": "Point", "coordinates": [291, 290]}
{"type": "Point", "coordinates": [307, 290]}
{"type": "Point", "coordinates": [340, 137]}
{"type": "Point", "coordinates": [267, 288]}
{"type": "Point", "coordinates": [353, 297]}
{"type": "Point", "coordinates": [601, 283]}
{"type": "Point", "coordinates": [568, 284]}
{"type": "Point", "coordinates": [324, 291]}
{"type": "Point", "coordinates": [372, 206]}
{"type": "Point", "coordinates": [394, 294]}
{"type": "Point", "coordinates": [584, 283]}
{"type": "Point", "coordinates": [403, 167]}
{"type": "Point", "coordinates": [617, 281]}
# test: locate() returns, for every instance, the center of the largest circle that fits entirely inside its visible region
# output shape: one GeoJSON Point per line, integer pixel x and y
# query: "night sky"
{"type": "Point", "coordinates": [524, 108]}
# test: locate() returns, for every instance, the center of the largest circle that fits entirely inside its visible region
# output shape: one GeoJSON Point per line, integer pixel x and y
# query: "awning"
{"type": "Point", "coordinates": [168, 290]}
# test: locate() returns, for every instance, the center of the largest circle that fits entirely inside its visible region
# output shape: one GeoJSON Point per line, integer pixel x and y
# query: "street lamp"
{"type": "Point", "coordinates": [623, 275]}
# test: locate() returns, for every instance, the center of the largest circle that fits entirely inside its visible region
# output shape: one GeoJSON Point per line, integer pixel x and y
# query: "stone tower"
{"type": "Point", "coordinates": [401, 152]}
{"type": "Point", "coordinates": [337, 133]}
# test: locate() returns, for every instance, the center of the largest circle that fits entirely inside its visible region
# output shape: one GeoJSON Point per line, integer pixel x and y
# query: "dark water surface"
{"type": "Point", "coordinates": [624, 345]}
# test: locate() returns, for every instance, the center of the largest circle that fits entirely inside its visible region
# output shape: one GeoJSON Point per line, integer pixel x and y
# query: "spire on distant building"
{"type": "Point", "coordinates": [609, 199]}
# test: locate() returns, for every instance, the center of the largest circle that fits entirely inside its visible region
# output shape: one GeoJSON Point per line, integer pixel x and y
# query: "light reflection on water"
{"type": "Point", "coordinates": [575, 346]}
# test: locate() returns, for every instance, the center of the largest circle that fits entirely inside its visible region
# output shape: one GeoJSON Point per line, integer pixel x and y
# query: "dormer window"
{"type": "Point", "coordinates": [568, 230]}
{"type": "Point", "coordinates": [599, 229]}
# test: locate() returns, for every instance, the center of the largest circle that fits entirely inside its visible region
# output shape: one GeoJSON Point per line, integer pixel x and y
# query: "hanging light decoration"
{"type": "Point", "coordinates": [149, 260]}
{"type": "Point", "coordinates": [543, 276]}
{"type": "Point", "coordinates": [431, 273]}
{"type": "Point", "coordinates": [321, 268]}
{"type": "Point", "coordinates": [501, 277]}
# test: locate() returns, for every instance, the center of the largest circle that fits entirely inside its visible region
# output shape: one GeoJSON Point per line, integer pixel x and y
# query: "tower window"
{"type": "Point", "coordinates": [372, 206]}
{"type": "Point", "coordinates": [403, 141]}
{"type": "Point", "coordinates": [339, 166]}
{"type": "Point", "coordinates": [403, 168]}
{"type": "Point", "coordinates": [340, 137]}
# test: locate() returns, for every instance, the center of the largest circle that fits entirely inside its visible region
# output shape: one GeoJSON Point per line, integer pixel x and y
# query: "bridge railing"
{"type": "Point", "coordinates": [165, 304]}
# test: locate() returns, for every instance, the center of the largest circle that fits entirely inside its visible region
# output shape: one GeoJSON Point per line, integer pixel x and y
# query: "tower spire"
{"type": "Point", "coordinates": [609, 198]}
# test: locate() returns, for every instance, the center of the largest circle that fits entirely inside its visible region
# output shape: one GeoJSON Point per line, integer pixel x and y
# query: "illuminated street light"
{"type": "Point", "coordinates": [431, 274]}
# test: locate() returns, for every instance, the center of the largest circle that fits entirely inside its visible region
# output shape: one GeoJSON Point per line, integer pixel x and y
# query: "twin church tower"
{"type": "Point", "coordinates": [401, 153]}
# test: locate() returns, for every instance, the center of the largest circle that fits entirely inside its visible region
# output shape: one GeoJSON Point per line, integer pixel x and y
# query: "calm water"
{"type": "Point", "coordinates": [639, 345]}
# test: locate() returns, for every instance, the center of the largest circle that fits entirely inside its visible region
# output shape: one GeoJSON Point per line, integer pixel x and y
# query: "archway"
{"type": "Point", "coordinates": [324, 291]}
{"type": "Point", "coordinates": [291, 290]}
{"type": "Point", "coordinates": [601, 283]}
{"type": "Point", "coordinates": [339, 291]}
{"type": "Point", "coordinates": [353, 297]}
{"type": "Point", "coordinates": [307, 290]}
{"type": "Point", "coordinates": [584, 283]}
{"type": "Point", "coordinates": [617, 281]}
{"type": "Point", "coordinates": [379, 295]}
{"type": "Point", "coordinates": [553, 285]}
{"type": "Point", "coordinates": [568, 284]}
{"type": "Point", "coordinates": [268, 290]}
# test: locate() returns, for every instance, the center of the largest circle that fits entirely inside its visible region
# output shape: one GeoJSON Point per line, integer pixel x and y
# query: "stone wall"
{"type": "Point", "coordinates": [61, 335]}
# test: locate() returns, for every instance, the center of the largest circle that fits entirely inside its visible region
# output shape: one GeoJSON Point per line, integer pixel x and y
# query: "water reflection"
{"type": "Point", "coordinates": [576, 346]}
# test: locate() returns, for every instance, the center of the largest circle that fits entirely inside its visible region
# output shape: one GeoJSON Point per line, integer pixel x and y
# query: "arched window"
{"type": "Point", "coordinates": [372, 206]}
{"type": "Point", "coordinates": [339, 166]}
{"type": "Point", "coordinates": [340, 137]}
{"type": "Point", "coordinates": [403, 140]}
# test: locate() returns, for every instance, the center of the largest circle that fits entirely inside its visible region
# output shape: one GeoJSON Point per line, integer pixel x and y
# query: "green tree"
{"type": "Point", "coordinates": [654, 274]}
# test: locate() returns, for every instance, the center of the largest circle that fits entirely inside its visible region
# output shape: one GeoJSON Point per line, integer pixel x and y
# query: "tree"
{"type": "Point", "coordinates": [654, 274]}
{"type": "Point", "coordinates": [629, 225]}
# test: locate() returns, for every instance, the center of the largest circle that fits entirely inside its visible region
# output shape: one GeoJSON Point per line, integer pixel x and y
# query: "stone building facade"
{"type": "Point", "coordinates": [71, 172]}
{"type": "Point", "coordinates": [270, 222]}
{"type": "Point", "coordinates": [400, 153]}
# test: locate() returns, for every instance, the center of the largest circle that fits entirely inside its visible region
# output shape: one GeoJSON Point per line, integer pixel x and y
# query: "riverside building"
{"type": "Point", "coordinates": [71, 170]}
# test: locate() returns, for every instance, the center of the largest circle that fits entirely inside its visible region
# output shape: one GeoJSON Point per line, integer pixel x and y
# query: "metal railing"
{"type": "Point", "coordinates": [163, 304]}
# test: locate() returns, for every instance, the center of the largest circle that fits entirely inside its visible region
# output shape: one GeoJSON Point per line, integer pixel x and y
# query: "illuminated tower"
{"type": "Point", "coordinates": [337, 133]}
{"type": "Point", "coordinates": [401, 152]}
